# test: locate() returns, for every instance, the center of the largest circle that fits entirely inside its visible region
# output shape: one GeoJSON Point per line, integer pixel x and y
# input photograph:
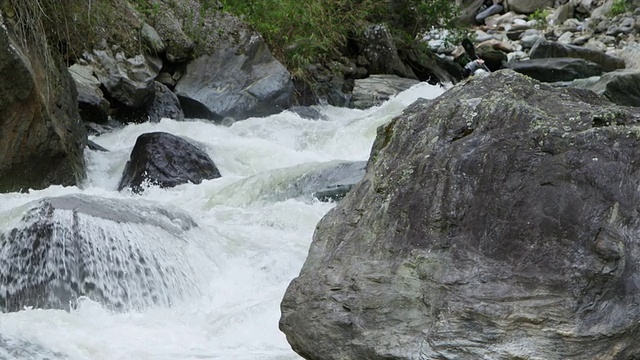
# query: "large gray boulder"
{"type": "Point", "coordinates": [42, 138]}
{"type": "Point", "coordinates": [128, 80]}
{"type": "Point", "coordinates": [497, 221]}
{"type": "Point", "coordinates": [550, 49]}
{"type": "Point", "coordinates": [556, 69]}
{"type": "Point", "coordinates": [125, 254]}
{"type": "Point", "coordinates": [237, 77]}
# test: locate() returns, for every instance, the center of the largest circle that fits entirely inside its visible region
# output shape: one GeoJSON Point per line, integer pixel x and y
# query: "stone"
{"type": "Point", "coordinates": [528, 6]}
{"type": "Point", "coordinates": [129, 81]}
{"type": "Point", "coordinates": [240, 79]}
{"type": "Point", "coordinates": [631, 56]}
{"type": "Point", "coordinates": [548, 49]}
{"type": "Point", "coordinates": [378, 47]}
{"type": "Point", "coordinates": [556, 69]}
{"type": "Point", "coordinates": [562, 13]}
{"type": "Point", "coordinates": [179, 46]}
{"type": "Point", "coordinates": [166, 160]}
{"type": "Point", "coordinates": [494, 222]}
{"type": "Point", "coordinates": [566, 38]}
{"type": "Point", "coordinates": [124, 254]}
{"type": "Point", "coordinates": [42, 138]}
{"type": "Point", "coordinates": [152, 40]}
{"type": "Point", "coordinates": [92, 105]}
{"type": "Point", "coordinates": [621, 87]}
{"type": "Point", "coordinates": [165, 104]}
{"type": "Point", "coordinates": [377, 89]}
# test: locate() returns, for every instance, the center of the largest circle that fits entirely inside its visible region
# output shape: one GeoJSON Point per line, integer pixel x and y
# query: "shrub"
{"type": "Point", "coordinates": [618, 7]}
{"type": "Point", "coordinates": [303, 32]}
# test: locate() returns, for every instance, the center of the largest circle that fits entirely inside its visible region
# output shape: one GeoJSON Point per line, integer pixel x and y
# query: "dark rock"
{"type": "Point", "coordinates": [621, 87]}
{"type": "Point", "coordinates": [377, 89]}
{"type": "Point", "coordinates": [165, 104]}
{"type": "Point", "coordinates": [431, 68]}
{"type": "Point", "coordinates": [240, 79]}
{"type": "Point", "coordinates": [325, 88]}
{"type": "Point", "coordinates": [549, 49]}
{"type": "Point", "coordinates": [378, 47]}
{"type": "Point", "coordinates": [168, 25]}
{"type": "Point", "coordinates": [493, 58]}
{"type": "Point", "coordinates": [95, 147]}
{"type": "Point", "coordinates": [495, 222]}
{"type": "Point", "coordinates": [556, 69]}
{"type": "Point", "coordinates": [92, 105]}
{"type": "Point", "coordinates": [166, 160]}
{"type": "Point", "coordinates": [42, 138]}
{"type": "Point", "coordinates": [124, 254]}
{"type": "Point", "coordinates": [308, 112]}
{"type": "Point", "coordinates": [528, 6]}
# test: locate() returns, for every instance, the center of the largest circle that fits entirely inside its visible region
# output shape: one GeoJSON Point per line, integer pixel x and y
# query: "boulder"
{"type": "Point", "coordinates": [92, 105]}
{"type": "Point", "coordinates": [496, 221]}
{"type": "Point", "coordinates": [431, 68]}
{"type": "Point", "coordinates": [631, 56]}
{"type": "Point", "coordinates": [129, 81]}
{"type": "Point", "coordinates": [125, 254]}
{"type": "Point", "coordinates": [468, 10]}
{"type": "Point", "coordinates": [239, 78]}
{"type": "Point", "coordinates": [377, 89]}
{"type": "Point", "coordinates": [528, 6]}
{"type": "Point", "coordinates": [152, 40]}
{"type": "Point", "coordinates": [179, 47]}
{"type": "Point", "coordinates": [327, 181]}
{"type": "Point", "coordinates": [42, 138]}
{"type": "Point", "coordinates": [556, 69]}
{"type": "Point", "coordinates": [621, 87]}
{"type": "Point", "coordinates": [165, 104]}
{"type": "Point", "coordinates": [379, 48]}
{"type": "Point", "coordinates": [166, 160]}
{"type": "Point", "coordinates": [549, 49]}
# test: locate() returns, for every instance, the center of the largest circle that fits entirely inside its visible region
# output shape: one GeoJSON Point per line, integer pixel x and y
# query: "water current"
{"type": "Point", "coordinates": [247, 246]}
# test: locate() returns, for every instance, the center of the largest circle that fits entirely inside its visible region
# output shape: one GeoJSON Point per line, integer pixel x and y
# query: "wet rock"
{"type": "Point", "coordinates": [125, 254]}
{"type": "Point", "coordinates": [165, 104]}
{"type": "Point", "coordinates": [166, 160]}
{"type": "Point", "coordinates": [377, 89]}
{"type": "Point", "coordinates": [548, 49]}
{"type": "Point", "coordinates": [42, 138]}
{"type": "Point", "coordinates": [556, 69]}
{"type": "Point", "coordinates": [494, 222]}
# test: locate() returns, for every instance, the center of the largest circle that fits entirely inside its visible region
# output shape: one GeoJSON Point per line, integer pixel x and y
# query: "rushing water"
{"type": "Point", "coordinates": [247, 247]}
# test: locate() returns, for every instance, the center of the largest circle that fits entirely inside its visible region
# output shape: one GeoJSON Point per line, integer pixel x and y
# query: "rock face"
{"type": "Point", "coordinates": [497, 221]}
{"type": "Point", "coordinates": [238, 79]}
{"type": "Point", "coordinates": [41, 136]}
{"type": "Point", "coordinates": [166, 160]}
{"type": "Point", "coordinates": [379, 49]}
{"type": "Point", "coordinates": [123, 254]}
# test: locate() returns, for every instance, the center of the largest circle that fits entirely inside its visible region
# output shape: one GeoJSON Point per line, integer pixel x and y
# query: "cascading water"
{"type": "Point", "coordinates": [191, 272]}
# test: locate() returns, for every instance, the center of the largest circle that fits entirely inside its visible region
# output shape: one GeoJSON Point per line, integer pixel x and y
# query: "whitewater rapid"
{"type": "Point", "coordinates": [247, 248]}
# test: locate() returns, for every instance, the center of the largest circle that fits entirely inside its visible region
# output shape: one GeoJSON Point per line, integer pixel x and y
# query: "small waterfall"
{"type": "Point", "coordinates": [123, 253]}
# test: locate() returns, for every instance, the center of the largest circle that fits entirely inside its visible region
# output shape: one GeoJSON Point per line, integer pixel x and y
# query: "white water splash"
{"type": "Point", "coordinates": [242, 256]}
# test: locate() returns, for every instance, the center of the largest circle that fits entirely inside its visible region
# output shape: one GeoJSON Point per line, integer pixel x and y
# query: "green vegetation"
{"type": "Point", "coordinates": [304, 32]}
{"type": "Point", "coordinates": [619, 7]}
{"type": "Point", "coordinates": [73, 26]}
{"type": "Point", "coordinates": [540, 17]}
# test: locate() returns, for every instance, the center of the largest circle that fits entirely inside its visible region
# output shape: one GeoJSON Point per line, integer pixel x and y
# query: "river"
{"type": "Point", "coordinates": [252, 239]}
